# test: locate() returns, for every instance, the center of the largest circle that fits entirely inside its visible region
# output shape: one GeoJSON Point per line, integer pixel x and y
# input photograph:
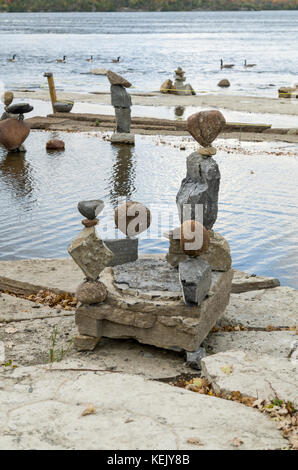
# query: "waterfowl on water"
{"type": "Point", "coordinates": [246, 65]}
{"type": "Point", "coordinates": [115, 61]}
{"type": "Point", "coordinates": [90, 59]}
{"type": "Point", "coordinates": [225, 66]}
{"type": "Point", "coordinates": [13, 59]}
{"type": "Point", "coordinates": [61, 61]}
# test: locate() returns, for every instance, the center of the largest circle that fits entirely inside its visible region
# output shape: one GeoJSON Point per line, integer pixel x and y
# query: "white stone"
{"type": "Point", "coordinates": [123, 138]}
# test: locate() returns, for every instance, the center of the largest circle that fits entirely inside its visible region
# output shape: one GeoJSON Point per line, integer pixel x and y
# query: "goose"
{"type": "Point", "coordinates": [90, 59]}
{"type": "Point", "coordinates": [13, 59]}
{"type": "Point", "coordinates": [115, 61]}
{"type": "Point", "coordinates": [246, 65]}
{"type": "Point", "coordinates": [225, 66]}
{"type": "Point", "coordinates": [61, 61]}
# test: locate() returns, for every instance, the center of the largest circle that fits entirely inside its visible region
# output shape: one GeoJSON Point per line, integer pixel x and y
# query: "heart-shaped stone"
{"type": "Point", "coordinates": [205, 126]}
{"type": "Point", "coordinates": [13, 133]}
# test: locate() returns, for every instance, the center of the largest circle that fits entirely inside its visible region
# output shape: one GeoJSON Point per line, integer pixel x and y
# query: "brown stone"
{"type": "Point", "coordinates": [166, 86]}
{"type": "Point", "coordinates": [91, 292]}
{"type": "Point", "coordinates": [132, 218]}
{"type": "Point", "coordinates": [90, 223]}
{"type": "Point", "coordinates": [224, 83]}
{"type": "Point", "coordinates": [13, 133]}
{"type": "Point", "coordinates": [116, 79]}
{"type": "Point", "coordinates": [7, 98]}
{"type": "Point", "coordinates": [55, 144]}
{"type": "Point", "coordinates": [85, 343]}
{"type": "Point", "coordinates": [205, 126]}
{"type": "Point", "coordinates": [192, 231]}
{"type": "Point", "coordinates": [207, 151]}
{"type": "Point", "coordinates": [218, 254]}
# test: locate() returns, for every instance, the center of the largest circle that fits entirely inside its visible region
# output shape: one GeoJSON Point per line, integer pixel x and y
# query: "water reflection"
{"type": "Point", "coordinates": [16, 174]}
{"type": "Point", "coordinates": [122, 180]}
{"type": "Point", "coordinates": [179, 111]}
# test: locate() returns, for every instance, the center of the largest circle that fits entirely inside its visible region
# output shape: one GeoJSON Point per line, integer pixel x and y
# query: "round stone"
{"type": "Point", "coordinates": [89, 223]}
{"type": "Point", "coordinates": [132, 218]}
{"type": "Point", "coordinates": [91, 209]}
{"type": "Point", "coordinates": [91, 292]}
{"type": "Point", "coordinates": [194, 233]}
{"type": "Point", "coordinates": [13, 133]}
{"type": "Point", "coordinates": [7, 98]}
{"type": "Point", "coordinates": [55, 144]}
{"type": "Point", "coordinates": [224, 83]}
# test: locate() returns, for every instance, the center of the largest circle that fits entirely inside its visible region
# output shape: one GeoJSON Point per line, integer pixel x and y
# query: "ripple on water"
{"type": "Point", "coordinates": [39, 193]}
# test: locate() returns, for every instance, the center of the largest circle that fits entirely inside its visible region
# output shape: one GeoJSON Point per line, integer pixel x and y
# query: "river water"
{"type": "Point", "coordinates": [151, 46]}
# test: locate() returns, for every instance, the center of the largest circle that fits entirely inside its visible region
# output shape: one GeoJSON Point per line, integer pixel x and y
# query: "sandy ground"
{"type": "Point", "coordinates": [247, 104]}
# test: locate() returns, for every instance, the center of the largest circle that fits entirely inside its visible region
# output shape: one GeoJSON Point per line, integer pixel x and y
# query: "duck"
{"type": "Point", "coordinates": [225, 66]}
{"type": "Point", "coordinates": [246, 65]}
{"type": "Point", "coordinates": [61, 61]}
{"type": "Point", "coordinates": [90, 59]}
{"type": "Point", "coordinates": [13, 59]}
{"type": "Point", "coordinates": [115, 61]}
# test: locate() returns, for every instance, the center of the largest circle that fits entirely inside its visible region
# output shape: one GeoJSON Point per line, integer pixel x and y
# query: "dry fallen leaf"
{"type": "Point", "coordinates": [227, 369]}
{"type": "Point", "coordinates": [236, 442]}
{"type": "Point", "coordinates": [90, 410]}
{"type": "Point", "coordinates": [194, 441]}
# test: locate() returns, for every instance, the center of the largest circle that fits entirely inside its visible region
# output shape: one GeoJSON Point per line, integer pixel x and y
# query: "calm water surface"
{"type": "Point", "coordinates": [151, 45]}
{"type": "Point", "coordinates": [257, 212]}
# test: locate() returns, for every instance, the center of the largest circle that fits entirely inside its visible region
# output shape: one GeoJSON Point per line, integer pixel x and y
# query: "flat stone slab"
{"type": "Point", "coordinates": [260, 376]}
{"type": "Point", "coordinates": [145, 302]}
{"type": "Point", "coordinates": [275, 343]}
{"type": "Point", "coordinates": [243, 282]}
{"type": "Point", "coordinates": [14, 309]}
{"type": "Point", "coordinates": [276, 307]}
{"type": "Point", "coordinates": [63, 275]}
{"type": "Point", "coordinates": [129, 413]}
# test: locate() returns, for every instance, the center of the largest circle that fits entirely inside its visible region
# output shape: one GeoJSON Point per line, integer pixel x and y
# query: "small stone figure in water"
{"type": "Point", "coordinates": [121, 101]}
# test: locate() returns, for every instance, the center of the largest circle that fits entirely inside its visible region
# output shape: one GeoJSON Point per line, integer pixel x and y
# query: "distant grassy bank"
{"type": "Point", "coordinates": [144, 5]}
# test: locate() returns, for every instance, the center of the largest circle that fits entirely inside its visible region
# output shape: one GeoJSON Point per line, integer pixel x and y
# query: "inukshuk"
{"type": "Point", "coordinates": [121, 101]}
{"type": "Point", "coordinates": [197, 202]}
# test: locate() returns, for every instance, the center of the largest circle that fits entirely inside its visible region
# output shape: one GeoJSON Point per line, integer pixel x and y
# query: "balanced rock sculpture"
{"type": "Point", "coordinates": [121, 101]}
{"type": "Point", "coordinates": [14, 131]}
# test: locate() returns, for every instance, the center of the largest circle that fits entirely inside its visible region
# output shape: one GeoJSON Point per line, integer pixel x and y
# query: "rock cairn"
{"type": "Point", "coordinates": [13, 130]}
{"type": "Point", "coordinates": [194, 248]}
{"type": "Point", "coordinates": [121, 101]}
{"type": "Point", "coordinates": [178, 88]}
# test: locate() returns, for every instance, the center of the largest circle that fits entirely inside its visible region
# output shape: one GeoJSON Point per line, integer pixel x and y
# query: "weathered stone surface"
{"type": "Point", "coordinates": [273, 343]}
{"type": "Point", "coordinates": [193, 359]}
{"type": "Point", "coordinates": [91, 209]}
{"type": "Point", "coordinates": [132, 218]}
{"type": "Point", "coordinates": [260, 376]}
{"type": "Point", "coordinates": [125, 250]}
{"type": "Point", "coordinates": [90, 253]}
{"type": "Point", "coordinates": [145, 303]}
{"type": "Point", "coordinates": [218, 254]}
{"type": "Point", "coordinates": [205, 126]}
{"type": "Point", "coordinates": [90, 223]}
{"type": "Point", "coordinates": [85, 343]}
{"type": "Point", "coordinates": [55, 144]}
{"type": "Point", "coordinates": [142, 416]}
{"type": "Point", "coordinates": [175, 254]}
{"type": "Point", "coordinates": [200, 186]}
{"type": "Point", "coordinates": [7, 98]}
{"type": "Point", "coordinates": [19, 108]}
{"type": "Point", "coordinates": [116, 79]}
{"type": "Point", "coordinates": [98, 71]}
{"type": "Point", "coordinates": [119, 97]}
{"type": "Point", "coordinates": [123, 120]}
{"type": "Point", "coordinates": [195, 279]}
{"type": "Point", "coordinates": [13, 133]}
{"type": "Point", "coordinates": [194, 238]}
{"type": "Point", "coordinates": [166, 86]}
{"type": "Point", "coordinates": [207, 151]}
{"type": "Point", "coordinates": [224, 83]}
{"type": "Point", "coordinates": [91, 292]}
{"type": "Point", "coordinates": [122, 138]}
{"type": "Point", "coordinates": [275, 307]}
{"type": "Point", "coordinates": [63, 106]}
{"type": "Point", "coordinates": [243, 282]}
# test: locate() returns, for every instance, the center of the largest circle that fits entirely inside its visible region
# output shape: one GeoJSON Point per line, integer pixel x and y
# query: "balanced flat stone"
{"type": "Point", "coordinates": [19, 108]}
{"type": "Point", "coordinates": [145, 302]}
{"type": "Point", "coordinates": [260, 376]}
{"type": "Point", "coordinates": [129, 413]}
{"type": "Point", "coordinates": [276, 307]}
{"type": "Point", "coordinates": [243, 282]}
{"type": "Point", "coordinates": [122, 138]}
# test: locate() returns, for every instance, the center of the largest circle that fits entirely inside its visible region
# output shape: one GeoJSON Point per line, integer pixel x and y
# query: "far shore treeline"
{"type": "Point", "coordinates": [145, 5]}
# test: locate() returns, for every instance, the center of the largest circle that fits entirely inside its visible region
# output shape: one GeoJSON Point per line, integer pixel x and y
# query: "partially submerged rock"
{"type": "Point", "coordinates": [55, 144]}
{"type": "Point", "coordinates": [224, 83]}
{"type": "Point", "coordinates": [13, 133]}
